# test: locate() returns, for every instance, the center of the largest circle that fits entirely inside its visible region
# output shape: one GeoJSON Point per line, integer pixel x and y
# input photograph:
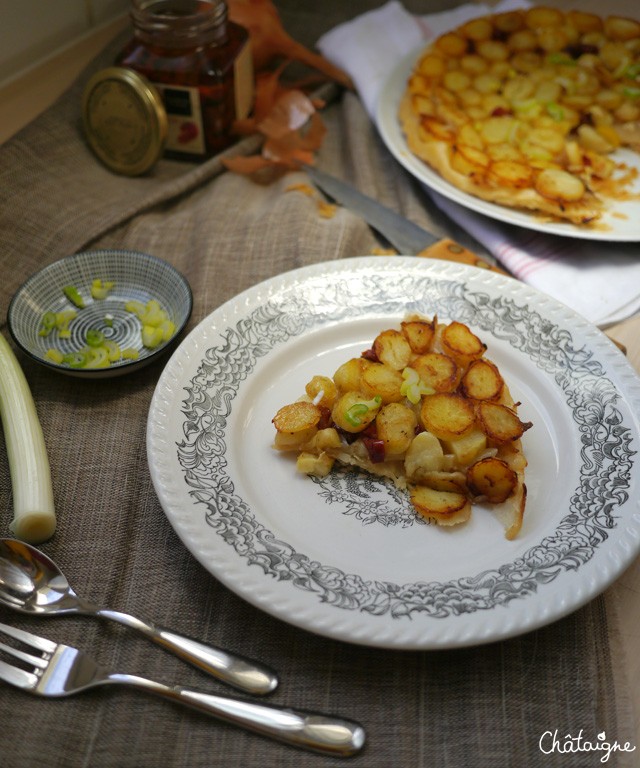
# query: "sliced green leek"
{"type": "Point", "coordinates": [100, 289]}
{"type": "Point", "coordinates": [34, 518]}
{"type": "Point", "coordinates": [47, 324]}
{"type": "Point", "coordinates": [151, 336]}
{"type": "Point", "coordinates": [413, 388]}
{"type": "Point", "coordinates": [73, 294]}
{"type": "Point", "coordinates": [63, 319]}
{"type": "Point", "coordinates": [54, 355]}
{"type": "Point", "coordinates": [97, 357]}
{"type": "Point", "coordinates": [76, 359]}
{"type": "Point", "coordinates": [94, 337]}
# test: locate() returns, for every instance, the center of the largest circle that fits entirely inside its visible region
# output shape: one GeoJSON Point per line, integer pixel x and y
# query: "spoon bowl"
{"type": "Point", "coordinates": [30, 582]}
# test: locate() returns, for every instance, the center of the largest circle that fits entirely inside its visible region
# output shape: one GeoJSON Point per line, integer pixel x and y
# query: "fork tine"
{"type": "Point", "coordinates": [35, 661]}
{"type": "Point", "coordinates": [40, 643]}
{"type": "Point", "coordinates": [18, 677]}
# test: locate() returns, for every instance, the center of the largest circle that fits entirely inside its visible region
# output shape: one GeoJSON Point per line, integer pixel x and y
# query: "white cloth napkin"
{"type": "Point", "coordinates": [599, 280]}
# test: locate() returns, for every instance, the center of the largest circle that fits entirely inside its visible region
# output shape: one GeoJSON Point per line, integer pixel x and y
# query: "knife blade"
{"type": "Point", "coordinates": [405, 236]}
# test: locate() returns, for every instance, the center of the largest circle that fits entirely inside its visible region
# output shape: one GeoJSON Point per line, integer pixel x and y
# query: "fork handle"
{"type": "Point", "coordinates": [314, 731]}
{"type": "Point", "coordinates": [246, 675]}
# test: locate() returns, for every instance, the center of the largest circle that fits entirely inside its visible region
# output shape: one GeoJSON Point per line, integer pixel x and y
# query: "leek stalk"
{"type": "Point", "coordinates": [34, 518]}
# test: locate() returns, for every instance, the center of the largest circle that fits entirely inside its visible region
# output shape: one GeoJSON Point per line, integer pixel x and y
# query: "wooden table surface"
{"type": "Point", "coordinates": [23, 99]}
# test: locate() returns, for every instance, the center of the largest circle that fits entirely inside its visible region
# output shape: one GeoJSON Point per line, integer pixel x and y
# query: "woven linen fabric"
{"type": "Point", "coordinates": [476, 707]}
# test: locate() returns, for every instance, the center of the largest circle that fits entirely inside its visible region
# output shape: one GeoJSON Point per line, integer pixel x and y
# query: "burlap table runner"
{"type": "Point", "coordinates": [477, 707]}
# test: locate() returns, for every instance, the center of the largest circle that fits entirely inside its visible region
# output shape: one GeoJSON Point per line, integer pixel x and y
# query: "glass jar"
{"type": "Point", "coordinates": [200, 62]}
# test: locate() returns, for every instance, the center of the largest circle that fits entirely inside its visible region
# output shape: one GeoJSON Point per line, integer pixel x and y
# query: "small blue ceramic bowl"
{"type": "Point", "coordinates": [136, 278]}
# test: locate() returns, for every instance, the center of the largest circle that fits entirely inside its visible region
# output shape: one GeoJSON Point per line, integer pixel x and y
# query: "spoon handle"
{"type": "Point", "coordinates": [241, 673]}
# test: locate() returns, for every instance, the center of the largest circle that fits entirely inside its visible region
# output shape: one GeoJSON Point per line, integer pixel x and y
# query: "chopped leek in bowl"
{"type": "Point", "coordinates": [100, 313]}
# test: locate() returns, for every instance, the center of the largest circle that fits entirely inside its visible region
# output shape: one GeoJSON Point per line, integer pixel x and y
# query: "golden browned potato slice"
{"type": "Point", "coordinates": [437, 129]}
{"type": "Point", "coordinates": [510, 173]}
{"type": "Point", "coordinates": [557, 184]}
{"type": "Point", "coordinates": [442, 480]}
{"type": "Point", "coordinates": [348, 376]}
{"type": "Point", "coordinates": [451, 44]}
{"type": "Point", "coordinates": [432, 65]}
{"type": "Point", "coordinates": [295, 423]}
{"type": "Point", "coordinates": [354, 411]}
{"type": "Point", "coordinates": [437, 371]}
{"type": "Point", "coordinates": [419, 334]}
{"type": "Point", "coordinates": [324, 388]}
{"type": "Point", "coordinates": [447, 415]}
{"type": "Point", "coordinates": [459, 341]}
{"type": "Point", "coordinates": [392, 348]}
{"type": "Point", "coordinates": [620, 28]}
{"type": "Point", "coordinates": [491, 479]}
{"type": "Point", "coordinates": [469, 160]}
{"type": "Point", "coordinates": [446, 507]}
{"type": "Point", "coordinates": [508, 22]}
{"type": "Point", "coordinates": [585, 22]}
{"type": "Point", "coordinates": [296, 417]}
{"type": "Point", "coordinates": [482, 381]}
{"type": "Point", "coordinates": [396, 426]}
{"type": "Point", "coordinates": [380, 379]}
{"type": "Point", "coordinates": [499, 423]}
{"type": "Point", "coordinates": [477, 29]}
{"type": "Point", "coordinates": [542, 16]}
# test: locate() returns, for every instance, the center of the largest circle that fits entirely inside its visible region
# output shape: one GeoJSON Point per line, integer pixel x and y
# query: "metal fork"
{"type": "Point", "coordinates": [58, 670]}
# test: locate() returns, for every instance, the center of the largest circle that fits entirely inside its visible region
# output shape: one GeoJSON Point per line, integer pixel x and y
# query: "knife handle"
{"type": "Point", "coordinates": [449, 250]}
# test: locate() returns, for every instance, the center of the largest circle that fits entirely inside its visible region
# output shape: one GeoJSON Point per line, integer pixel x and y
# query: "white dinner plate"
{"type": "Point", "coordinates": [345, 556]}
{"type": "Point", "coordinates": [620, 223]}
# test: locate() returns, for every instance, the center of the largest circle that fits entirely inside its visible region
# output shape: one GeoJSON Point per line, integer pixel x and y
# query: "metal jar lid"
{"type": "Point", "coordinates": [125, 121]}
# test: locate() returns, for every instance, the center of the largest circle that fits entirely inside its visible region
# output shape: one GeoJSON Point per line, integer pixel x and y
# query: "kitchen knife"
{"type": "Point", "coordinates": [405, 236]}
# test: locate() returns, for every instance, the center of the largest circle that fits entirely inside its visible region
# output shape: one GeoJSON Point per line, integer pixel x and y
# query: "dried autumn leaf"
{"type": "Point", "coordinates": [290, 112]}
{"type": "Point", "coordinates": [270, 41]}
{"type": "Point", "coordinates": [296, 147]}
{"type": "Point", "coordinates": [258, 168]}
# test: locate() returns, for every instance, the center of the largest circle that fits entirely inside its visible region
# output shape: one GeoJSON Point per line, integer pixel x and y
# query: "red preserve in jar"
{"type": "Point", "coordinates": [200, 62]}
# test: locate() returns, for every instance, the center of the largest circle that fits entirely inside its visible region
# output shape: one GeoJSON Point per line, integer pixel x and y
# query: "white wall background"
{"type": "Point", "coordinates": [33, 30]}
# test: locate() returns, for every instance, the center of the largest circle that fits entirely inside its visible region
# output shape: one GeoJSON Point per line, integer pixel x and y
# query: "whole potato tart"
{"type": "Point", "coordinates": [526, 108]}
{"type": "Point", "coordinates": [424, 407]}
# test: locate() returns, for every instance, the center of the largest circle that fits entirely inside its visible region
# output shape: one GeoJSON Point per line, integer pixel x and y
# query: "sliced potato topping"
{"type": "Point", "coordinates": [396, 426]}
{"type": "Point", "coordinates": [349, 375]}
{"type": "Point", "coordinates": [419, 334]}
{"type": "Point", "coordinates": [392, 348]}
{"type": "Point", "coordinates": [425, 407]}
{"type": "Point", "coordinates": [447, 415]}
{"type": "Point", "coordinates": [296, 417]}
{"type": "Point", "coordinates": [461, 343]}
{"type": "Point", "coordinates": [482, 381]}
{"type": "Point", "coordinates": [322, 391]}
{"type": "Point", "coordinates": [491, 479]}
{"type": "Point", "coordinates": [380, 379]}
{"type": "Point", "coordinates": [354, 411]}
{"type": "Point", "coordinates": [437, 371]}
{"type": "Point", "coordinates": [446, 507]}
{"type": "Point", "coordinates": [500, 423]}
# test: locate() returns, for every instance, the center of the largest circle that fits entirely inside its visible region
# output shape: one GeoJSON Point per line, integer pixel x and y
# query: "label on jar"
{"type": "Point", "coordinates": [185, 131]}
{"type": "Point", "coordinates": [244, 85]}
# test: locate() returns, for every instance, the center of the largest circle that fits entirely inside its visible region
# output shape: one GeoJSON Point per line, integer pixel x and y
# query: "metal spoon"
{"type": "Point", "coordinates": [30, 582]}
